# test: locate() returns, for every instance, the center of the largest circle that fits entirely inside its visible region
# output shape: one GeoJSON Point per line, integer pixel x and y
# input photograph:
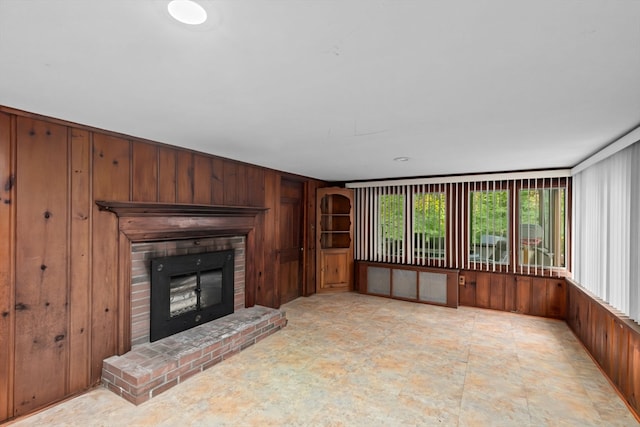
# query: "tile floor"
{"type": "Point", "coordinates": [357, 360]}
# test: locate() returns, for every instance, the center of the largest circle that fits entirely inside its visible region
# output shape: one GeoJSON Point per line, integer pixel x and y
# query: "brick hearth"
{"type": "Point", "coordinates": [151, 368]}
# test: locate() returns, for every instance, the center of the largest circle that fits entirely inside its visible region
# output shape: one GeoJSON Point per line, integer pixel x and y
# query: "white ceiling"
{"type": "Point", "coordinates": [335, 89]}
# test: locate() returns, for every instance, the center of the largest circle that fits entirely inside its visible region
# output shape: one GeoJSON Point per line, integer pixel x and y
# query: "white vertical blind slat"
{"type": "Point", "coordinates": [606, 233]}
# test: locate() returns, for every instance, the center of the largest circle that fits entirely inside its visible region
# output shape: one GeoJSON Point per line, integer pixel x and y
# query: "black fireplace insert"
{"type": "Point", "coordinates": [188, 290]}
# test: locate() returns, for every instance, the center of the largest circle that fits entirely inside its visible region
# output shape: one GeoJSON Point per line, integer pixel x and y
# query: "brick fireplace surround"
{"type": "Point", "coordinates": [144, 369]}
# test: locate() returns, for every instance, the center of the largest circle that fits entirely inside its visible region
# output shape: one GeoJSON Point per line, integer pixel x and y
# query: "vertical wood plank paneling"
{"type": "Point", "coordinates": [309, 281]}
{"type": "Point", "coordinates": [67, 275]}
{"type": "Point", "coordinates": [6, 266]}
{"type": "Point", "coordinates": [42, 336]}
{"type": "Point", "coordinates": [613, 356]}
{"type": "Point", "coordinates": [242, 181]}
{"type": "Point", "coordinates": [111, 180]}
{"type": "Point", "coordinates": [581, 309]}
{"type": "Point", "coordinates": [612, 341]}
{"type": "Point", "coordinates": [621, 360]}
{"type": "Point", "coordinates": [230, 183]}
{"type": "Point", "coordinates": [255, 187]}
{"type": "Point", "coordinates": [633, 389]}
{"type": "Point", "coordinates": [510, 293]}
{"type": "Point", "coordinates": [184, 177]}
{"type": "Point", "coordinates": [145, 172]}
{"type": "Point", "coordinates": [79, 262]}
{"type": "Point", "coordinates": [538, 296]}
{"type": "Point", "coordinates": [123, 318]}
{"type": "Point", "coordinates": [496, 298]}
{"type": "Point", "coordinates": [217, 182]}
{"type": "Point", "coordinates": [483, 289]}
{"type": "Point", "coordinates": [556, 298]}
{"type": "Point", "coordinates": [167, 175]}
{"type": "Point", "coordinates": [202, 179]}
{"type": "Point", "coordinates": [598, 332]}
{"type": "Point", "coordinates": [467, 293]}
{"type": "Point", "coordinates": [258, 261]}
{"type": "Point", "coordinates": [257, 196]}
{"type": "Point", "coordinates": [523, 294]}
{"type": "Point", "coordinates": [266, 295]}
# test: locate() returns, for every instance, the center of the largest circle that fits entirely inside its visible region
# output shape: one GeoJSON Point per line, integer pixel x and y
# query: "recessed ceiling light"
{"type": "Point", "coordinates": [401, 159]}
{"type": "Point", "coordinates": [187, 12]}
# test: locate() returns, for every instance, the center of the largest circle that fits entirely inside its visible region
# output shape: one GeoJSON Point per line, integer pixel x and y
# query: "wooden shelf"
{"type": "Point", "coordinates": [334, 263]}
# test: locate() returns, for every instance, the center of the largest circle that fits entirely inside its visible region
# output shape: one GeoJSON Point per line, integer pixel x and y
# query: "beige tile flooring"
{"type": "Point", "coordinates": [357, 360]}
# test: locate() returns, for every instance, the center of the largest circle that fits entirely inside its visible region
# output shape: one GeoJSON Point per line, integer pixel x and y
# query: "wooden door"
{"type": "Point", "coordinates": [291, 240]}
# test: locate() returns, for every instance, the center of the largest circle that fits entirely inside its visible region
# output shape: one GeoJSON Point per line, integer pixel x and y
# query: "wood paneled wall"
{"type": "Point", "coordinates": [537, 296]}
{"type": "Point", "coordinates": [612, 339]}
{"type": "Point", "coordinates": [58, 254]}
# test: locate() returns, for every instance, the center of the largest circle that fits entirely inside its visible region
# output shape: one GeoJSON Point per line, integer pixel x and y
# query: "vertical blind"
{"type": "Point", "coordinates": [508, 225]}
{"type": "Point", "coordinates": [606, 206]}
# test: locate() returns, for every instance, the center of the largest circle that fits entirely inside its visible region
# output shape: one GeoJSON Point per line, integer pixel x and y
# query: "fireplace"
{"type": "Point", "coordinates": [189, 290]}
{"type": "Point", "coordinates": [142, 369]}
{"type": "Point", "coordinates": [158, 224]}
{"type": "Point", "coordinates": [142, 255]}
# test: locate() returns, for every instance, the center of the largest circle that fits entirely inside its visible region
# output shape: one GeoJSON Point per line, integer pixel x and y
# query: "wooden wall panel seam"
{"type": "Point", "coordinates": [157, 174]}
{"type": "Point", "coordinates": [131, 173]}
{"type": "Point", "coordinates": [68, 219]}
{"type": "Point", "coordinates": [90, 260]}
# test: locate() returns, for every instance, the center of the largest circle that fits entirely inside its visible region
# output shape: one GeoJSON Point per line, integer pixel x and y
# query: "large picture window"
{"type": "Point", "coordinates": [429, 225]}
{"type": "Point", "coordinates": [489, 227]}
{"type": "Point", "coordinates": [542, 227]}
{"type": "Point", "coordinates": [391, 223]}
{"type": "Point", "coordinates": [518, 223]}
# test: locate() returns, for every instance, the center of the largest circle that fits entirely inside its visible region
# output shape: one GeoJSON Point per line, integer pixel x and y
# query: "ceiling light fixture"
{"type": "Point", "coordinates": [401, 159]}
{"type": "Point", "coordinates": [187, 11]}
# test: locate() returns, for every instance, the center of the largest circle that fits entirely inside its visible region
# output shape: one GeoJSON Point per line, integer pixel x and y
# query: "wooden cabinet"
{"type": "Point", "coordinates": [334, 249]}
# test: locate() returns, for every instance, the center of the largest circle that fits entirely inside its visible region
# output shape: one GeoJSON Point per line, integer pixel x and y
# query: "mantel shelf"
{"type": "Point", "coordinates": [124, 209]}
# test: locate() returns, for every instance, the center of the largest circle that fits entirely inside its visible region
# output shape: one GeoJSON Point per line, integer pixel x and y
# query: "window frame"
{"type": "Point", "coordinates": [542, 184]}
{"type": "Point", "coordinates": [444, 229]}
{"type": "Point", "coordinates": [483, 264]}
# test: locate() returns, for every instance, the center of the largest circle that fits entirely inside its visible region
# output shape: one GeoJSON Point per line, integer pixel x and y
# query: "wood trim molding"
{"type": "Point", "coordinates": [123, 209]}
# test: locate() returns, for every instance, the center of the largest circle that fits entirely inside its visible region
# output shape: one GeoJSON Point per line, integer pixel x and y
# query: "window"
{"type": "Point", "coordinates": [489, 226]}
{"type": "Point", "coordinates": [542, 227]}
{"type": "Point", "coordinates": [429, 225]}
{"type": "Point", "coordinates": [515, 223]}
{"type": "Point", "coordinates": [606, 205]}
{"type": "Point", "coordinates": [391, 224]}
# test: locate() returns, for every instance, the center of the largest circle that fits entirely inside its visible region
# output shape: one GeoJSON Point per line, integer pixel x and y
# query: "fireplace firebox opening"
{"type": "Point", "coordinates": [189, 290]}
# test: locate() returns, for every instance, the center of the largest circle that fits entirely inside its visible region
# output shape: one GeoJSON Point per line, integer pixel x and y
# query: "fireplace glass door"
{"type": "Point", "coordinates": [192, 292]}
{"type": "Point", "coordinates": [188, 290]}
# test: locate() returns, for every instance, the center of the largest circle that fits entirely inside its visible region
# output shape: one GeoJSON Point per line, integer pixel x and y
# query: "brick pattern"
{"type": "Point", "coordinates": [151, 368]}
{"type": "Point", "coordinates": [143, 253]}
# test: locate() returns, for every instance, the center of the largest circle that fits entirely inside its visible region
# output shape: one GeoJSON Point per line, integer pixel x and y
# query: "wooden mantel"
{"type": "Point", "coordinates": [173, 209]}
{"type": "Point", "coordinates": [147, 222]}
{"type": "Point", "coordinates": [141, 221]}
